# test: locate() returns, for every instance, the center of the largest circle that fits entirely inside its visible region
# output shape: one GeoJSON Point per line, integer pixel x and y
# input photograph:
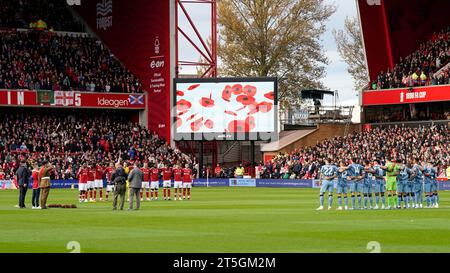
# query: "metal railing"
{"type": "Point", "coordinates": [314, 115]}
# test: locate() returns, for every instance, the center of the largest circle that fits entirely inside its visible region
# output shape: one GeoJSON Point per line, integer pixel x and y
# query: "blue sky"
{"type": "Point", "coordinates": [337, 77]}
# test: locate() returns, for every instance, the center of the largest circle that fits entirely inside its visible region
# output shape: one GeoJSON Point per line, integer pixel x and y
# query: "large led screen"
{"type": "Point", "coordinates": [225, 109]}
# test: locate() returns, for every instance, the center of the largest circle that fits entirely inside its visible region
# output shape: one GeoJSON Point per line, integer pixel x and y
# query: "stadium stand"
{"type": "Point", "coordinates": [68, 140]}
{"type": "Point", "coordinates": [41, 60]}
{"type": "Point", "coordinates": [431, 143]}
{"type": "Point", "coordinates": [42, 14]}
{"type": "Point", "coordinates": [426, 66]}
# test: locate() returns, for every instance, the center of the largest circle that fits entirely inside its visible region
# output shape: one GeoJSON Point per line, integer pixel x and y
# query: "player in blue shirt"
{"type": "Point", "coordinates": [369, 177]}
{"type": "Point", "coordinates": [380, 185]}
{"type": "Point", "coordinates": [409, 187]}
{"type": "Point", "coordinates": [342, 185]}
{"type": "Point", "coordinates": [418, 184]}
{"type": "Point", "coordinates": [430, 174]}
{"type": "Point", "coordinates": [356, 174]}
{"type": "Point", "coordinates": [404, 176]}
{"type": "Point", "coordinates": [328, 173]}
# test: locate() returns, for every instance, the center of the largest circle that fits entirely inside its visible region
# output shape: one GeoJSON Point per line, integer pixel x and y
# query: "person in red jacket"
{"type": "Point", "coordinates": [36, 189]}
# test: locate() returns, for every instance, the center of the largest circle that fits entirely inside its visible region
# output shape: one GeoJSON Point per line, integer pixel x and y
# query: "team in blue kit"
{"type": "Point", "coordinates": [413, 178]}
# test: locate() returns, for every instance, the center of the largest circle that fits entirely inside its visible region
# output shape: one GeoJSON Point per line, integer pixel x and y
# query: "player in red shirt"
{"type": "Point", "coordinates": [82, 176]}
{"type": "Point", "coordinates": [91, 181]}
{"type": "Point", "coordinates": [167, 181]}
{"type": "Point", "coordinates": [187, 182]}
{"type": "Point", "coordinates": [98, 181]}
{"type": "Point", "coordinates": [154, 184]}
{"type": "Point", "coordinates": [109, 184]}
{"type": "Point", "coordinates": [146, 181]}
{"type": "Point", "coordinates": [177, 182]}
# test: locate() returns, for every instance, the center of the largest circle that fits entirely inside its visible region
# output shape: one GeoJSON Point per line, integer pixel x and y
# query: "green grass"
{"type": "Point", "coordinates": [221, 220]}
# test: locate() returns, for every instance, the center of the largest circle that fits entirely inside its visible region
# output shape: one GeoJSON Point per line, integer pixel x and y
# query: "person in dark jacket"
{"type": "Point", "coordinates": [119, 178]}
{"type": "Point", "coordinates": [23, 175]}
{"type": "Point", "coordinates": [135, 178]}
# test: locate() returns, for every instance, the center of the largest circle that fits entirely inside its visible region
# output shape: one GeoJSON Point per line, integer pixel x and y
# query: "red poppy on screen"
{"type": "Point", "coordinates": [250, 123]}
{"type": "Point", "coordinates": [180, 93]}
{"type": "Point", "coordinates": [226, 93]}
{"type": "Point", "coordinates": [249, 90]}
{"type": "Point", "coordinates": [196, 125]}
{"type": "Point", "coordinates": [237, 126]}
{"type": "Point", "coordinates": [265, 107]}
{"type": "Point", "coordinates": [245, 100]}
{"type": "Point", "coordinates": [270, 95]}
{"type": "Point", "coordinates": [207, 102]}
{"type": "Point", "coordinates": [254, 108]}
{"type": "Point", "coordinates": [209, 124]}
{"type": "Point", "coordinates": [183, 105]}
{"type": "Point", "coordinates": [237, 89]}
{"type": "Point", "coordinates": [192, 87]}
{"type": "Point", "coordinates": [179, 122]}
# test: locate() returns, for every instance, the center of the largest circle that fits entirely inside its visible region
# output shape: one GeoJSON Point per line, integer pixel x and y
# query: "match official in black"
{"type": "Point", "coordinates": [135, 178]}
{"type": "Point", "coordinates": [23, 175]}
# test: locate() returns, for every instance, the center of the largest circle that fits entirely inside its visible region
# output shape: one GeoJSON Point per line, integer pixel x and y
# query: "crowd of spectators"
{"type": "Point", "coordinates": [24, 13]}
{"type": "Point", "coordinates": [431, 144]}
{"type": "Point", "coordinates": [69, 140]}
{"type": "Point", "coordinates": [418, 69]}
{"type": "Point", "coordinates": [41, 60]}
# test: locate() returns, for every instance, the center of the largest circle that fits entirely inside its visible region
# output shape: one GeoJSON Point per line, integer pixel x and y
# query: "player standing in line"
{"type": "Point", "coordinates": [82, 176]}
{"type": "Point", "coordinates": [410, 187]}
{"type": "Point", "coordinates": [418, 184]}
{"type": "Point", "coordinates": [167, 181]}
{"type": "Point", "coordinates": [434, 188]}
{"type": "Point", "coordinates": [369, 177]}
{"type": "Point", "coordinates": [356, 174]}
{"type": "Point", "coordinates": [380, 185]}
{"type": "Point", "coordinates": [91, 181]}
{"type": "Point", "coordinates": [146, 182]}
{"type": "Point", "coordinates": [328, 173]}
{"type": "Point", "coordinates": [403, 177]}
{"type": "Point", "coordinates": [392, 170]}
{"type": "Point", "coordinates": [109, 184]}
{"type": "Point", "coordinates": [187, 182]}
{"type": "Point", "coordinates": [177, 182]}
{"type": "Point", "coordinates": [98, 182]}
{"type": "Point", "coordinates": [154, 184]}
{"type": "Point", "coordinates": [342, 185]}
{"type": "Point", "coordinates": [430, 176]}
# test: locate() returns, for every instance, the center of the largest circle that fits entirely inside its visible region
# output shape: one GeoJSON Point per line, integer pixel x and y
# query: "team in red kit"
{"type": "Point", "coordinates": [91, 176]}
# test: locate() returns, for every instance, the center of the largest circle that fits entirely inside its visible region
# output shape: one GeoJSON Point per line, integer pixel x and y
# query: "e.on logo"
{"type": "Point", "coordinates": [156, 64]}
{"type": "Point", "coordinates": [374, 2]}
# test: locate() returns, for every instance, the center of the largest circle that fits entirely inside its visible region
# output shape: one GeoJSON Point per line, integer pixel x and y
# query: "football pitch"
{"type": "Point", "coordinates": [220, 220]}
